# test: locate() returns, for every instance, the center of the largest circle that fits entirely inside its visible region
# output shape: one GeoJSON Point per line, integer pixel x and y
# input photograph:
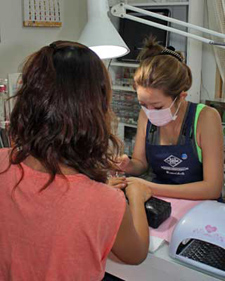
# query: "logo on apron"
{"type": "Point", "coordinates": [173, 161]}
{"type": "Point", "coordinates": [172, 169]}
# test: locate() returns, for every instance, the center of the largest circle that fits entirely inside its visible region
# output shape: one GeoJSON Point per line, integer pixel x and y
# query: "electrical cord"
{"type": "Point", "coordinates": [109, 63]}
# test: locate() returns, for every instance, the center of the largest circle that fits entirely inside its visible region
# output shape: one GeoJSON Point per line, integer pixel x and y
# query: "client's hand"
{"type": "Point", "coordinates": [137, 189]}
{"type": "Point", "coordinates": [118, 182]}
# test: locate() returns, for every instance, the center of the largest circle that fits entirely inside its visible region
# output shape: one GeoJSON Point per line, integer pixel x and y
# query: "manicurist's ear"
{"type": "Point", "coordinates": [183, 95]}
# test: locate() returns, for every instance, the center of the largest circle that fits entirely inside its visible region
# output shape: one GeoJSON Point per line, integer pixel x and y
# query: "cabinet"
{"type": "Point", "coordinates": [124, 102]}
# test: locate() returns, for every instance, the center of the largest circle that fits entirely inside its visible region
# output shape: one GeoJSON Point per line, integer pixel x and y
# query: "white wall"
{"type": "Point", "coordinates": [17, 41]}
{"type": "Point", "coordinates": [208, 84]}
{"type": "Point", "coordinates": [194, 49]}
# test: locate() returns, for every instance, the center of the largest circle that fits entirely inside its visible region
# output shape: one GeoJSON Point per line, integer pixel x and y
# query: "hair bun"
{"type": "Point", "coordinates": [150, 49]}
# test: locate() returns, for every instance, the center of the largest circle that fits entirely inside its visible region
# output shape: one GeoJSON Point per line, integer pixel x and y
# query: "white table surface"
{"type": "Point", "coordinates": [157, 267]}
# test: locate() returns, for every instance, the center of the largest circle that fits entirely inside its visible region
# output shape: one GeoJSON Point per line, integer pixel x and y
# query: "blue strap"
{"type": "Point", "coordinates": [188, 128]}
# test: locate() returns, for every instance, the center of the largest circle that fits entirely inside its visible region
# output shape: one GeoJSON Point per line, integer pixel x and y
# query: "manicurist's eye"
{"type": "Point", "coordinates": [142, 104]}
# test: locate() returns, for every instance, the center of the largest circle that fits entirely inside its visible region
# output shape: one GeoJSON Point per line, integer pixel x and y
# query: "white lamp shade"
{"type": "Point", "coordinates": [100, 35]}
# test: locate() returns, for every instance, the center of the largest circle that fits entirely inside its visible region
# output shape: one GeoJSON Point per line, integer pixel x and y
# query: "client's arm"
{"type": "Point", "coordinates": [132, 242]}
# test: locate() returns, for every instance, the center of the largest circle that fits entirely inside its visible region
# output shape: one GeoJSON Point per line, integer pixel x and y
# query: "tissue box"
{"type": "Point", "coordinates": [157, 211]}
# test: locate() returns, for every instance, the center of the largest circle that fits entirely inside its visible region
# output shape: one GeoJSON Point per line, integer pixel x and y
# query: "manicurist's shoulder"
{"type": "Point", "coordinates": [142, 122]}
{"type": "Point", "coordinates": [209, 115]}
{"type": "Point", "coordinates": [209, 125]}
{"type": "Point", "coordinates": [142, 116]}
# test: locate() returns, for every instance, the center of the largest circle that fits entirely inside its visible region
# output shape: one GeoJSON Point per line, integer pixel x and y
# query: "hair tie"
{"type": "Point", "coordinates": [53, 46]}
{"type": "Point", "coordinates": [65, 48]}
{"type": "Point", "coordinates": [170, 50]}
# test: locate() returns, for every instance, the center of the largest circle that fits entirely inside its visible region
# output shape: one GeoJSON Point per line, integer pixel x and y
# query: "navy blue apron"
{"type": "Point", "coordinates": [175, 164]}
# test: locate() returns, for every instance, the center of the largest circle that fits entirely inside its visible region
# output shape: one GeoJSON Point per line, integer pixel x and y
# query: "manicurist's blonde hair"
{"type": "Point", "coordinates": [162, 68]}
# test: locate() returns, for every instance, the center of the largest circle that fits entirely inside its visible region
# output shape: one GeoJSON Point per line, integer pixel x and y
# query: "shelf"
{"type": "Point", "coordinates": [124, 64]}
{"type": "Point", "coordinates": [175, 3]}
{"type": "Point", "coordinates": [123, 88]}
{"type": "Point", "coordinates": [125, 101]}
{"type": "Point", "coordinates": [129, 125]}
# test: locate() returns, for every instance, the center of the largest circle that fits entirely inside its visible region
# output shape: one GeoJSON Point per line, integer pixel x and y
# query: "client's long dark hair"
{"type": "Point", "coordinates": [62, 113]}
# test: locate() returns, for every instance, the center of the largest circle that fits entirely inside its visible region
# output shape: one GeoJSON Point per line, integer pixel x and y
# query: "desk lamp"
{"type": "Point", "coordinates": [101, 36]}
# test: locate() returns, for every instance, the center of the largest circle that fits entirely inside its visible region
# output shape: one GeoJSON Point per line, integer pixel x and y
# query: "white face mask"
{"type": "Point", "coordinates": [161, 117]}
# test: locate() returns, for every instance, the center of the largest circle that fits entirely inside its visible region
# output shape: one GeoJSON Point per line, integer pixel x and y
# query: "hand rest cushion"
{"type": "Point", "coordinates": [157, 211]}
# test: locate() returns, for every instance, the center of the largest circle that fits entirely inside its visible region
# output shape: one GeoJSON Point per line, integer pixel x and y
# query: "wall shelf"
{"type": "Point", "coordinates": [175, 3]}
{"type": "Point", "coordinates": [123, 64]}
{"type": "Point", "coordinates": [129, 125]}
{"type": "Point", "coordinates": [123, 88]}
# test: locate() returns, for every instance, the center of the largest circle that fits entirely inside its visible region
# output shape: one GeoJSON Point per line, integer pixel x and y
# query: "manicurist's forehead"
{"type": "Point", "coordinates": [150, 95]}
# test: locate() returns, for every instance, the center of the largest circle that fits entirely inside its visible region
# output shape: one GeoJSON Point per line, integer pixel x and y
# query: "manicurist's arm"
{"type": "Point", "coordinates": [210, 140]}
{"type": "Point", "coordinates": [132, 242]}
{"type": "Point", "coordinates": [138, 164]}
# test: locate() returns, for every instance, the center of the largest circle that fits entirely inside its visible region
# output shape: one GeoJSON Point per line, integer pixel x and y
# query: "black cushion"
{"type": "Point", "coordinates": [157, 211]}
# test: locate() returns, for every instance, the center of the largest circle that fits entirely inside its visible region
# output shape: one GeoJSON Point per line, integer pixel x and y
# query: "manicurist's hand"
{"type": "Point", "coordinates": [123, 162]}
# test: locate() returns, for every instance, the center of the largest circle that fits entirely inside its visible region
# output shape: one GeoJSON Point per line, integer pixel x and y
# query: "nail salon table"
{"type": "Point", "coordinates": [184, 220]}
{"type": "Point", "coordinates": [158, 266]}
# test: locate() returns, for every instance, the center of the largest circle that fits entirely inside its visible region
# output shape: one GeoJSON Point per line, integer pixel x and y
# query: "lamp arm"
{"type": "Point", "coordinates": [119, 10]}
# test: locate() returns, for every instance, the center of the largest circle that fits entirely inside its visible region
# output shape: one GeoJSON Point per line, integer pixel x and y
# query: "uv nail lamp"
{"type": "Point", "coordinates": [199, 238]}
